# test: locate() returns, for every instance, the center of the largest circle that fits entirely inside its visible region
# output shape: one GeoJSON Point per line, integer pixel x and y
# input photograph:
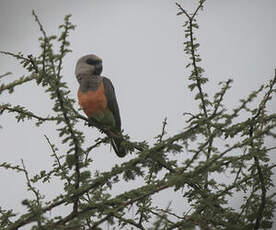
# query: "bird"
{"type": "Point", "coordinates": [97, 98]}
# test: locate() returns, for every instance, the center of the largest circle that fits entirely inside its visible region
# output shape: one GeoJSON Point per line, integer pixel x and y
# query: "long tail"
{"type": "Point", "coordinates": [118, 147]}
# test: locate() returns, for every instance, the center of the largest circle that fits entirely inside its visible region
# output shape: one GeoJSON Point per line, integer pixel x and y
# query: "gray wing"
{"type": "Point", "coordinates": [112, 101]}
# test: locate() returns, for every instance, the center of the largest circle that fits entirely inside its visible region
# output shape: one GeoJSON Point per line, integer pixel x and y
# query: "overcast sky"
{"type": "Point", "coordinates": [141, 44]}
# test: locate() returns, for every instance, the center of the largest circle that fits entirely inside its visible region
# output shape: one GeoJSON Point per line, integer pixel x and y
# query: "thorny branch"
{"type": "Point", "coordinates": [60, 167]}
{"type": "Point", "coordinates": [24, 112]}
{"type": "Point", "coordinates": [197, 74]}
{"type": "Point", "coordinates": [260, 112]}
{"type": "Point", "coordinates": [78, 149]}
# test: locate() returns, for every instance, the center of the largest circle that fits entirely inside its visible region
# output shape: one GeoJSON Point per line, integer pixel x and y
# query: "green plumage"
{"type": "Point", "coordinates": [106, 118]}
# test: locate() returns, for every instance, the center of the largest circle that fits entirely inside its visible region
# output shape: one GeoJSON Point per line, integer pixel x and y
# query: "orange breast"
{"type": "Point", "coordinates": [93, 102]}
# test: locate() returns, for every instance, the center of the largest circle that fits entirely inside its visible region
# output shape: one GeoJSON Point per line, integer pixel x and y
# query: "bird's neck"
{"type": "Point", "coordinates": [89, 83]}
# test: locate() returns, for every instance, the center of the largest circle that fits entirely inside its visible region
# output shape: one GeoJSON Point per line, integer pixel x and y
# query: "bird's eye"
{"type": "Point", "coordinates": [93, 61]}
{"type": "Point", "coordinates": [79, 78]}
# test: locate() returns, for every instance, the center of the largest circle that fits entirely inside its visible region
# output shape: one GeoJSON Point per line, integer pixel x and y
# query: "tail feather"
{"type": "Point", "coordinates": [118, 147]}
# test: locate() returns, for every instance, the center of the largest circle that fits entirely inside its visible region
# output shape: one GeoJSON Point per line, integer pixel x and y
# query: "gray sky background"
{"type": "Point", "coordinates": [140, 43]}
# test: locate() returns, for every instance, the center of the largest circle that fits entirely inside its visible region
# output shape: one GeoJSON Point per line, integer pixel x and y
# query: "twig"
{"type": "Point", "coordinates": [256, 159]}
{"type": "Point", "coordinates": [46, 40]}
{"type": "Point", "coordinates": [163, 132]}
{"type": "Point", "coordinates": [98, 143]}
{"type": "Point", "coordinates": [23, 111]}
{"type": "Point", "coordinates": [193, 55]}
{"type": "Point", "coordinates": [29, 182]}
{"type": "Point", "coordinates": [17, 56]}
{"type": "Point", "coordinates": [222, 93]}
{"type": "Point", "coordinates": [17, 82]}
{"type": "Point", "coordinates": [196, 72]}
{"type": "Point", "coordinates": [5, 74]}
{"type": "Point", "coordinates": [260, 112]}
{"type": "Point", "coordinates": [159, 187]}
{"type": "Point", "coordinates": [57, 159]}
{"type": "Point", "coordinates": [36, 192]}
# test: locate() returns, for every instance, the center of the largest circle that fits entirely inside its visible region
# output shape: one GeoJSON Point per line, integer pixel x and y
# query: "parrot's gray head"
{"type": "Point", "coordinates": [88, 65]}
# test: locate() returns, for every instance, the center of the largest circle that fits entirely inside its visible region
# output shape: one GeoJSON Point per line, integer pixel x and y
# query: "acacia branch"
{"type": "Point", "coordinates": [5, 74]}
{"type": "Point", "coordinates": [222, 93]}
{"type": "Point", "coordinates": [256, 159]}
{"type": "Point", "coordinates": [61, 101]}
{"type": "Point", "coordinates": [106, 176]}
{"type": "Point", "coordinates": [158, 187]}
{"type": "Point", "coordinates": [24, 112]}
{"type": "Point", "coordinates": [10, 86]}
{"type": "Point", "coordinates": [36, 193]}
